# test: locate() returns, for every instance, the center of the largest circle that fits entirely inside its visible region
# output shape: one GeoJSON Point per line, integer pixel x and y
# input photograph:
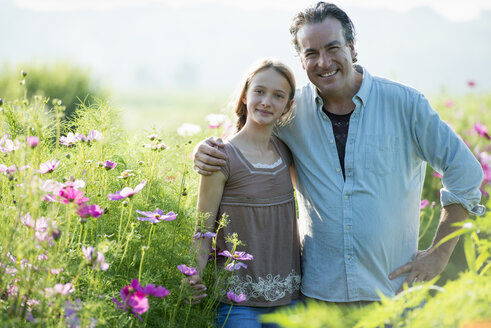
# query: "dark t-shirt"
{"type": "Point", "coordinates": [340, 126]}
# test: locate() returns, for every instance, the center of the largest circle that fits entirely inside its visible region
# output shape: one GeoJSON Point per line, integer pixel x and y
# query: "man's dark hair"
{"type": "Point", "coordinates": [317, 14]}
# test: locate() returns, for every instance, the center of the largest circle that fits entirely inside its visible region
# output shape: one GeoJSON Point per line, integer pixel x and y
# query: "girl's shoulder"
{"type": "Point", "coordinates": [283, 149]}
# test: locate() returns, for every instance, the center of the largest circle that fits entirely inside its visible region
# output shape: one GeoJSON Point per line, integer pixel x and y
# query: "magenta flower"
{"type": "Point", "coordinates": [126, 192]}
{"type": "Point", "coordinates": [90, 210]}
{"type": "Point", "coordinates": [471, 83]}
{"type": "Point", "coordinates": [157, 216]}
{"type": "Point", "coordinates": [32, 141]}
{"type": "Point", "coordinates": [134, 297]}
{"type": "Point", "coordinates": [188, 271]}
{"type": "Point", "coordinates": [240, 256]}
{"type": "Point", "coordinates": [205, 234]}
{"type": "Point", "coordinates": [423, 204]}
{"type": "Point", "coordinates": [482, 130]}
{"type": "Point", "coordinates": [59, 289]}
{"type": "Point", "coordinates": [236, 298]}
{"type": "Point", "coordinates": [97, 259]}
{"type": "Point", "coordinates": [49, 166]}
{"type": "Point", "coordinates": [108, 165]}
{"type": "Point", "coordinates": [72, 195]}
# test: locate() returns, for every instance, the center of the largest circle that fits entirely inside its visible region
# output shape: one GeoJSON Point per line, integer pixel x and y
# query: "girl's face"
{"type": "Point", "coordinates": [267, 97]}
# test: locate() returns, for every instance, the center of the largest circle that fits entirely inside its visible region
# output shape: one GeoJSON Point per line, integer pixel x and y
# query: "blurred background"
{"type": "Point", "coordinates": [165, 62]}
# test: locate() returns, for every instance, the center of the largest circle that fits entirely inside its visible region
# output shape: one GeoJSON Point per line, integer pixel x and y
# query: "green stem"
{"type": "Point", "coordinates": [141, 264]}
{"type": "Point", "coordinates": [176, 307]}
{"type": "Point", "coordinates": [230, 309]}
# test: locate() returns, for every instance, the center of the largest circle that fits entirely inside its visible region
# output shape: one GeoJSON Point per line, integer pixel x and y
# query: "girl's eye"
{"type": "Point", "coordinates": [279, 95]}
{"type": "Point", "coordinates": [260, 92]}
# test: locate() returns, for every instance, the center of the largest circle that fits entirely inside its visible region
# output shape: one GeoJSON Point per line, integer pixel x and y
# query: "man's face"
{"type": "Point", "coordinates": [326, 57]}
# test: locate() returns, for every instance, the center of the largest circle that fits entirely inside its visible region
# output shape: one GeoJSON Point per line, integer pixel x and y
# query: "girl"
{"type": "Point", "coordinates": [255, 191]}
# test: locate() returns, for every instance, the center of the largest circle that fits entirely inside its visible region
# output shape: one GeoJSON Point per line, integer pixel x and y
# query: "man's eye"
{"type": "Point", "coordinates": [333, 49]}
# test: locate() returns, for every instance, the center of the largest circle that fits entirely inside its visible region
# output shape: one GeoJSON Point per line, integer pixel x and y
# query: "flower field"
{"type": "Point", "coordinates": [97, 226]}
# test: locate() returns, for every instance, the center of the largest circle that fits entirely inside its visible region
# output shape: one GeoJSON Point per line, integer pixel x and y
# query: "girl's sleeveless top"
{"type": "Point", "coordinates": [260, 206]}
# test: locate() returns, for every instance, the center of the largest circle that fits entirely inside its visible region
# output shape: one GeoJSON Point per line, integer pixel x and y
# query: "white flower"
{"type": "Point", "coordinates": [216, 120]}
{"type": "Point", "coordinates": [467, 225]}
{"type": "Point", "coordinates": [187, 129]}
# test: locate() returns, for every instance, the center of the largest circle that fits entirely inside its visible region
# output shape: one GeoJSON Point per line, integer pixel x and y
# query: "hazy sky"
{"type": "Point", "coordinates": [456, 10]}
{"type": "Point", "coordinates": [208, 44]}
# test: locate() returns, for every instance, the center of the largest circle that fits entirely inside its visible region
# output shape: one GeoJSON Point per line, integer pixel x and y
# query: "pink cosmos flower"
{"type": "Point", "coordinates": [423, 204]}
{"type": "Point", "coordinates": [449, 103]}
{"type": "Point", "coordinates": [93, 135]}
{"type": "Point", "coordinates": [108, 165]}
{"type": "Point", "coordinates": [482, 130]}
{"type": "Point", "coordinates": [126, 192]}
{"type": "Point", "coordinates": [72, 195]}
{"type": "Point", "coordinates": [471, 83]}
{"type": "Point", "coordinates": [7, 145]}
{"type": "Point", "coordinates": [188, 271]}
{"type": "Point", "coordinates": [90, 210]}
{"type": "Point", "coordinates": [97, 259]}
{"type": "Point", "coordinates": [69, 140]}
{"type": "Point", "coordinates": [134, 297]}
{"type": "Point", "coordinates": [60, 289]}
{"type": "Point", "coordinates": [32, 141]}
{"type": "Point", "coordinates": [49, 166]}
{"type": "Point", "coordinates": [236, 298]}
{"type": "Point", "coordinates": [157, 216]}
{"type": "Point", "coordinates": [74, 183]}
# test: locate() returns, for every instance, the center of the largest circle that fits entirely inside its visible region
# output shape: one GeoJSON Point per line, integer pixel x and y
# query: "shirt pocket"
{"type": "Point", "coordinates": [381, 154]}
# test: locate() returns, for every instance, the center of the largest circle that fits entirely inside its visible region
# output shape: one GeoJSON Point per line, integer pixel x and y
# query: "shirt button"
{"type": "Point", "coordinates": [347, 227]}
{"type": "Point", "coordinates": [346, 197]}
{"type": "Point", "coordinates": [338, 169]}
{"type": "Point", "coordinates": [324, 117]}
{"type": "Point", "coordinates": [331, 141]}
{"type": "Point", "coordinates": [348, 257]}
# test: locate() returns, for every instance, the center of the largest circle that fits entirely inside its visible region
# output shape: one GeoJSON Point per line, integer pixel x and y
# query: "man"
{"type": "Point", "coordinates": [360, 145]}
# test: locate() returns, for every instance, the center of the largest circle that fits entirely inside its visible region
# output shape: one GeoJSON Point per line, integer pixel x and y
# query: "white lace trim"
{"type": "Point", "coordinates": [270, 288]}
{"type": "Point", "coordinates": [267, 166]}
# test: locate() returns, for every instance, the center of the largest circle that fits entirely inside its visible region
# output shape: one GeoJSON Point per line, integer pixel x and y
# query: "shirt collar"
{"type": "Point", "coordinates": [362, 93]}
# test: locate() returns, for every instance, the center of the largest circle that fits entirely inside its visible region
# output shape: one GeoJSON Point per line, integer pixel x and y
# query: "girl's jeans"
{"type": "Point", "coordinates": [245, 316]}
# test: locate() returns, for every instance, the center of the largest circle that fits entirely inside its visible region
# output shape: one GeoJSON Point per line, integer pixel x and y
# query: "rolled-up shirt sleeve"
{"type": "Point", "coordinates": [447, 153]}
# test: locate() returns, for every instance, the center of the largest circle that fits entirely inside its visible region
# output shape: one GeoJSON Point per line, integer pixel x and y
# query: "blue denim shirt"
{"type": "Point", "coordinates": [356, 231]}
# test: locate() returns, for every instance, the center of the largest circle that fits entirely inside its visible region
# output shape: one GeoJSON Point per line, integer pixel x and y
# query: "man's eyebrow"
{"type": "Point", "coordinates": [333, 43]}
{"type": "Point", "coordinates": [330, 44]}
